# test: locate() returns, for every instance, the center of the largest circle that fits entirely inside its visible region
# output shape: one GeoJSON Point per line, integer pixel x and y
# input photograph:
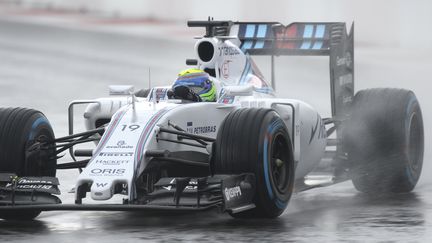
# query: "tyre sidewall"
{"type": "Point", "coordinates": [379, 140]}
{"type": "Point", "coordinates": [270, 198]}
{"type": "Point", "coordinates": [37, 127]}
{"type": "Point", "coordinates": [412, 109]}
{"type": "Point", "coordinates": [20, 128]}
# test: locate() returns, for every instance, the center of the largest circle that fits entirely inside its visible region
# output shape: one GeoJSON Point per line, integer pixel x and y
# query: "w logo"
{"type": "Point", "coordinates": [101, 184]}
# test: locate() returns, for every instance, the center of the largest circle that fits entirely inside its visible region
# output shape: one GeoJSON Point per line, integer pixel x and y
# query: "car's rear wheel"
{"type": "Point", "coordinates": [385, 141]}
{"type": "Point", "coordinates": [252, 140]}
{"type": "Point", "coordinates": [20, 128]}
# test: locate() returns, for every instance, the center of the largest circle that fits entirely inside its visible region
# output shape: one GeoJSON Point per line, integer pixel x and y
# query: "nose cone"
{"type": "Point", "coordinates": [102, 190]}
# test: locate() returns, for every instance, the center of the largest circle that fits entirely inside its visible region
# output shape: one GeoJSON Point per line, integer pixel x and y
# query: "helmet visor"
{"type": "Point", "coordinates": [198, 85]}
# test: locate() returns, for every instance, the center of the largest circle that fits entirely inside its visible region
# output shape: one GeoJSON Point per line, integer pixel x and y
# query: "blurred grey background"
{"type": "Point", "coordinates": [398, 23]}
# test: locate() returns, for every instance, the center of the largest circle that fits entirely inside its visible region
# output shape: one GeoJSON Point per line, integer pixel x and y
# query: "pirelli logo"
{"type": "Point", "coordinates": [116, 154]}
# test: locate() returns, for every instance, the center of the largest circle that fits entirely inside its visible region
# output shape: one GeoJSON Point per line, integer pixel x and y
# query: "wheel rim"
{"type": "Point", "coordinates": [36, 166]}
{"type": "Point", "coordinates": [414, 145]}
{"type": "Point", "coordinates": [279, 168]}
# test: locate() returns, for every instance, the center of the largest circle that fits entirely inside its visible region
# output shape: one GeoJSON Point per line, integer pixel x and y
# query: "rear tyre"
{"type": "Point", "coordinates": [385, 141]}
{"type": "Point", "coordinates": [256, 141]}
{"type": "Point", "coordinates": [20, 128]}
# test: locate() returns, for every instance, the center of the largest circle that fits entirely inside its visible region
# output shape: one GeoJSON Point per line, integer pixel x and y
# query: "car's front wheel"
{"type": "Point", "coordinates": [20, 128]}
{"type": "Point", "coordinates": [253, 140]}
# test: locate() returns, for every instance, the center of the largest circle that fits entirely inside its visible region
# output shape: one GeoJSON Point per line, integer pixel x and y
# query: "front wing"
{"type": "Point", "coordinates": [231, 193]}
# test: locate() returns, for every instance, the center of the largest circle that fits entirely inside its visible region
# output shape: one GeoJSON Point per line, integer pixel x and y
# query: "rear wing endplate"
{"type": "Point", "coordinates": [307, 39]}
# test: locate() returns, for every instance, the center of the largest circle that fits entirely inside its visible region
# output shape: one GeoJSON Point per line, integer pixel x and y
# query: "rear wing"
{"type": "Point", "coordinates": [297, 39]}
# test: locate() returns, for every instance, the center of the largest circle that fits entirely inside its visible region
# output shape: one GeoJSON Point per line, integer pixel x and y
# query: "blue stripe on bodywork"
{"type": "Point", "coordinates": [141, 143]}
{"type": "Point", "coordinates": [305, 45]}
{"type": "Point", "coordinates": [308, 30]}
{"type": "Point", "coordinates": [246, 72]}
{"type": "Point", "coordinates": [262, 30]}
{"type": "Point", "coordinates": [266, 90]}
{"type": "Point", "coordinates": [250, 32]}
{"type": "Point", "coordinates": [145, 134]}
{"type": "Point", "coordinates": [317, 45]}
{"type": "Point", "coordinates": [320, 30]}
{"type": "Point", "coordinates": [110, 130]}
{"type": "Point", "coordinates": [247, 45]}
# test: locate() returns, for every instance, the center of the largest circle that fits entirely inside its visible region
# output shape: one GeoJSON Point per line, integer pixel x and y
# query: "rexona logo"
{"type": "Point", "coordinates": [108, 172]}
{"type": "Point", "coordinates": [120, 145]}
{"type": "Point", "coordinates": [232, 192]}
{"type": "Point", "coordinates": [116, 154]}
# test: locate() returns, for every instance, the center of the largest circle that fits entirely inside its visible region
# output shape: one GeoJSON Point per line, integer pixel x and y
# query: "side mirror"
{"type": "Point", "coordinates": [121, 89]}
{"type": "Point", "coordinates": [142, 93]}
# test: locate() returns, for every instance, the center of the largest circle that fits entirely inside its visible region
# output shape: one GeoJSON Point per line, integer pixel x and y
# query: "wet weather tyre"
{"type": "Point", "coordinates": [252, 140]}
{"type": "Point", "coordinates": [20, 128]}
{"type": "Point", "coordinates": [385, 141]}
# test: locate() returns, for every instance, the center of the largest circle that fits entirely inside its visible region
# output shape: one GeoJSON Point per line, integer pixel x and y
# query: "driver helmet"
{"type": "Point", "coordinates": [197, 81]}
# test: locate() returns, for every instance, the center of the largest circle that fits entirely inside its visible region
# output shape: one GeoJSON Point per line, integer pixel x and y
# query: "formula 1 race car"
{"type": "Point", "coordinates": [245, 157]}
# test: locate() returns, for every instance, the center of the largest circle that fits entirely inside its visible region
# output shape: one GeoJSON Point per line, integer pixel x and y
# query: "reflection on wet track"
{"type": "Point", "coordinates": [45, 68]}
{"type": "Point", "coordinates": [333, 214]}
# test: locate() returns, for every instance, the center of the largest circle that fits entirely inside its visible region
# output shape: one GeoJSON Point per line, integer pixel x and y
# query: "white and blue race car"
{"type": "Point", "coordinates": [245, 154]}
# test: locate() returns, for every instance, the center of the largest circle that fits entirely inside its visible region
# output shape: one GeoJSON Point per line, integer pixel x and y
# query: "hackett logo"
{"type": "Point", "coordinates": [111, 162]}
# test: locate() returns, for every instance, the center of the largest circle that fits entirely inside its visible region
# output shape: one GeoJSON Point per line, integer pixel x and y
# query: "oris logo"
{"type": "Point", "coordinates": [107, 172]}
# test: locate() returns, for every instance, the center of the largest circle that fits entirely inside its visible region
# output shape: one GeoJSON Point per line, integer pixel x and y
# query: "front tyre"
{"type": "Point", "coordinates": [252, 140]}
{"type": "Point", "coordinates": [385, 141]}
{"type": "Point", "coordinates": [20, 128]}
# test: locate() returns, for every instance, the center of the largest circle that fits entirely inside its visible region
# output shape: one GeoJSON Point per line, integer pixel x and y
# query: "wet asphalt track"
{"type": "Point", "coordinates": [45, 68]}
